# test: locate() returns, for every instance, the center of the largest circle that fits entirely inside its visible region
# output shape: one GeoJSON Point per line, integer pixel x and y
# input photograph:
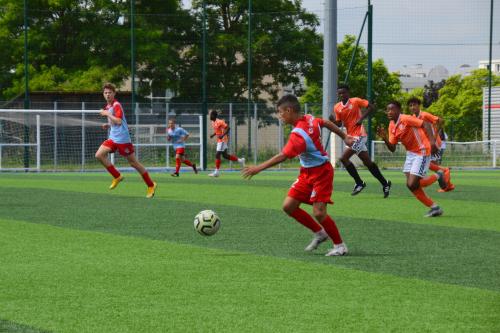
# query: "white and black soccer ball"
{"type": "Point", "coordinates": [206, 222]}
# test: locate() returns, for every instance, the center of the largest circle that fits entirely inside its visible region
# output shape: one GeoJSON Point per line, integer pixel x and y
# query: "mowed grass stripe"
{"type": "Point", "coordinates": [74, 281]}
{"type": "Point", "coordinates": [449, 255]}
{"type": "Point", "coordinates": [402, 207]}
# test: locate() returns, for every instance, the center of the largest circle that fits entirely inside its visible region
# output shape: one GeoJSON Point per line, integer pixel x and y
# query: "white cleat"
{"type": "Point", "coordinates": [338, 250]}
{"type": "Point", "coordinates": [436, 211]}
{"type": "Point", "coordinates": [213, 174]}
{"type": "Point", "coordinates": [319, 237]}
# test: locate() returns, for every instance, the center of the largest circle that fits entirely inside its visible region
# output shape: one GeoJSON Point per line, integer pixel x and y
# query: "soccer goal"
{"type": "Point", "coordinates": [66, 140]}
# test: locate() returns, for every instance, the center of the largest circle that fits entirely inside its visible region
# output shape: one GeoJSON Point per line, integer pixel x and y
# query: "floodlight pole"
{"type": "Point", "coordinates": [329, 62]}
{"type": "Point", "coordinates": [132, 52]}
{"type": "Point", "coordinates": [249, 75]}
{"type": "Point", "coordinates": [204, 106]}
{"type": "Point", "coordinates": [490, 70]}
{"type": "Point", "coordinates": [26, 88]}
{"type": "Point", "coordinates": [369, 84]}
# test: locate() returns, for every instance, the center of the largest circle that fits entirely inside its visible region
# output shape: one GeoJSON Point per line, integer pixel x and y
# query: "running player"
{"type": "Point", "coordinates": [221, 130]}
{"type": "Point", "coordinates": [178, 136]}
{"type": "Point", "coordinates": [119, 139]}
{"type": "Point", "coordinates": [414, 106]}
{"type": "Point", "coordinates": [349, 112]}
{"type": "Point", "coordinates": [314, 185]}
{"type": "Point", "coordinates": [411, 132]}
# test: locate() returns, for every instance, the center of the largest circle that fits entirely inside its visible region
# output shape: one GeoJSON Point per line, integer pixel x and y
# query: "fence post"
{"type": "Point", "coordinates": [55, 135]}
{"type": "Point", "coordinates": [372, 150]}
{"type": "Point", "coordinates": [38, 141]}
{"type": "Point", "coordinates": [231, 136]}
{"type": "Point", "coordinates": [83, 137]}
{"type": "Point", "coordinates": [305, 108]}
{"type": "Point", "coordinates": [201, 141]}
{"type": "Point", "coordinates": [280, 137]}
{"type": "Point", "coordinates": [136, 111]}
{"type": "Point", "coordinates": [494, 153]}
{"type": "Point", "coordinates": [255, 133]}
{"type": "Point", "coordinates": [0, 157]}
{"type": "Point", "coordinates": [167, 148]}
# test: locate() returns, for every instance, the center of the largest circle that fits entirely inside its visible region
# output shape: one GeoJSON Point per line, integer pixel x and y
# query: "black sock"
{"type": "Point", "coordinates": [351, 169]}
{"type": "Point", "coordinates": [377, 174]}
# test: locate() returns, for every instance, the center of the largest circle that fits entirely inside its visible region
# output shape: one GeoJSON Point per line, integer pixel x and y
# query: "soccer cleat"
{"type": "Point", "coordinates": [450, 187]}
{"type": "Point", "coordinates": [319, 237]}
{"type": "Point", "coordinates": [447, 176]}
{"type": "Point", "coordinates": [213, 174]}
{"type": "Point", "coordinates": [115, 182]}
{"type": "Point", "coordinates": [433, 212]}
{"type": "Point", "coordinates": [242, 161]}
{"type": "Point", "coordinates": [441, 181]}
{"type": "Point", "coordinates": [386, 189]}
{"type": "Point", "coordinates": [175, 174]}
{"type": "Point", "coordinates": [194, 169]}
{"type": "Point", "coordinates": [151, 191]}
{"type": "Point", "coordinates": [358, 188]}
{"type": "Point", "coordinates": [338, 250]}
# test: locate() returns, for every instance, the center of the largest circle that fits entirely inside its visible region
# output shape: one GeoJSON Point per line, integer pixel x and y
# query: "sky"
{"type": "Point", "coordinates": [428, 32]}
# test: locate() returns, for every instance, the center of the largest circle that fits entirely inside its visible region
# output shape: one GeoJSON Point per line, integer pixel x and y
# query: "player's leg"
{"type": "Point", "coordinates": [218, 156]}
{"type": "Point", "coordinates": [102, 156]}
{"type": "Point", "coordinates": [178, 161]}
{"type": "Point", "coordinates": [233, 158]}
{"type": "Point", "coordinates": [351, 169]}
{"type": "Point", "coordinates": [134, 162]}
{"type": "Point", "coordinates": [184, 160]}
{"type": "Point", "coordinates": [435, 165]}
{"type": "Point", "coordinates": [375, 171]}
{"type": "Point", "coordinates": [319, 212]}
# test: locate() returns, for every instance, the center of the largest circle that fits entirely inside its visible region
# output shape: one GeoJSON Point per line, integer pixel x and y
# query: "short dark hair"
{"type": "Point", "coordinates": [395, 103]}
{"type": "Point", "coordinates": [215, 113]}
{"type": "Point", "coordinates": [343, 86]}
{"type": "Point", "coordinates": [414, 100]}
{"type": "Point", "coordinates": [109, 86]}
{"type": "Point", "coordinates": [290, 101]}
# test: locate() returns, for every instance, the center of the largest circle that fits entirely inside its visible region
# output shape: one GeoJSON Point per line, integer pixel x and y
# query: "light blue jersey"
{"type": "Point", "coordinates": [176, 136]}
{"type": "Point", "coordinates": [118, 133]}
{"type": "Point", "coordinates": [312, 157]}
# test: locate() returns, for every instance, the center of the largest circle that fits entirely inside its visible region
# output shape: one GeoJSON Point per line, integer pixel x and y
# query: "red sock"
{"type": "Point", "coordinates": [434, 167]}
{"type": "Point", "coordinates": [177, 165]}
{"type": "Point", "coordinates": [147, 180]}
{"type": "Point", "coordinates": [112, 170]}
{"type": "Point", "coordinates": [422, 197]}
{"type": "Point", "coordinates": [217, 164]}
{"type": "Point", "coordinates": [233, 158]}
{"type": "Point", "coordinates": [188, 163]}
{"type": "Point", "coordinates": [331, 229]}
{"type": "Point", "coordinates": [424, 182]}
{"type": "Point", "coordinates": [305, 219]}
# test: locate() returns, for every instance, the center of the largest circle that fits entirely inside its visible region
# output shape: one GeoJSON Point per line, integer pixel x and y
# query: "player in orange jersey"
{"type": "Point", "coordinates": [349, 113]}
{"type": "Point", "coordinates": [416, 136]}
{"type": "Point", "coordinates": [314, 185]}
{"type": "Point", "coordinates": [221, 130]}
{"type": "Point", "coordinates": [414, 106]}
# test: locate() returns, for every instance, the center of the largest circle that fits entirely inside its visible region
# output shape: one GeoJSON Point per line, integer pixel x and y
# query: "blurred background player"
{"type": "Point", "coordinates": [119, 139]}
{"type": "Point", "coordinates": [349, 113]}
{"type": "Point", "coordinates": [221, 130]}
{"type": "Point", "coordinates": [314, 186]}
{"type": "Point", "coordinates": [178, 136]}
{"type": "Point", "coordinates": [437, 123]}
{"type": "Point", "coordinates": [416, 136]}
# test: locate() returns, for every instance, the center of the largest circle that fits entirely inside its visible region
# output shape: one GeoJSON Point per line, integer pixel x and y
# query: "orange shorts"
{"type": "Point", "coordinates": [313, 185]}
{"type": "Point", "coordinates": [124, 149]}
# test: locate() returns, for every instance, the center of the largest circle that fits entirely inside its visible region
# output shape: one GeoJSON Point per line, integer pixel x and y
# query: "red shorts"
{"type": "Point", "coordinates": [313, 185]}
{"type": "Point", "coordinates": [180, 151]}
{"type": "Point", "coordinates": [124, 149]}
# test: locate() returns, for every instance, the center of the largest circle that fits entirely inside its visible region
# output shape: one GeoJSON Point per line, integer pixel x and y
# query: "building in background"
{"type": "Point", "coordinates": [417, 76]}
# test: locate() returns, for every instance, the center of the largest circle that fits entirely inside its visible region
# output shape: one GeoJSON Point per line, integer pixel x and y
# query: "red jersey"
{"type": "Point", "coordinates": [350, 113]}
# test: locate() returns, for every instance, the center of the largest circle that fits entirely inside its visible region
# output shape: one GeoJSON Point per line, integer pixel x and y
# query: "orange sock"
{"type": "Point", "coordinates": [424, 182]}
{"type": "Point", "coordinates": [434, 167]}
{"type": "Point", "coordinates": [422, 197]}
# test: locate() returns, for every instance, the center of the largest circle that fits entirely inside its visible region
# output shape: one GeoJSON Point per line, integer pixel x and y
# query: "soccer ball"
{"type": "Point", "coordinates": [206, 222]}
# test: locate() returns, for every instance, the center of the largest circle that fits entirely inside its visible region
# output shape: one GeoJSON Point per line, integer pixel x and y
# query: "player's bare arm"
{"type": "Point", "coordinates": [251, 171]}
{"type": "Point", "coordinates": [428, 130]}
{"type": "Point", "coordinates": [225, 133]}
{"type": "Point", "coordinates": [334, 120]}
{"type": "Point", "coordinates": [113, 119]}
{"type": "Point", "coordinates": [382, 132]}
{"type": "Point", "coordinates": [365, 113]}
{"type": "Point", "coordinates": [349, 140]}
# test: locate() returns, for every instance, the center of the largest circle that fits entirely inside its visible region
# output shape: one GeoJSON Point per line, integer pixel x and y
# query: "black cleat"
{"type": "Point", "coordinates": [194, 169]}
{"type": "Point", "coordinates": [386, 189]}
{"type": "Point", "coordinates": [358, 188]}
{"type": "Point", "coordinates": [175, 174]}
{"type": "Point", "coordinates": [436, 211]}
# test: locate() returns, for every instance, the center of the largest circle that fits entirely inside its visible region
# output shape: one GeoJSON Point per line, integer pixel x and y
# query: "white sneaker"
{"type": "Point", "coordinates": [213, 174]}
{"type": "Point", "coordinates": [242, 161]}
{"type": "Point", "coordinates": [319, 237]}
{"type": "Point", "coordinates": [338, 250]}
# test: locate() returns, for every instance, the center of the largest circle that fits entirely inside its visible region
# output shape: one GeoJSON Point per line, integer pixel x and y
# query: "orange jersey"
{"type": "Point", "coordinates": [349, 114]}
{"type": "Point", "coordinates": [219, 127]}
{"type": "Point", "coordinates": [409, 130]}
{"type": "Point", "coordinates": [434, 120]}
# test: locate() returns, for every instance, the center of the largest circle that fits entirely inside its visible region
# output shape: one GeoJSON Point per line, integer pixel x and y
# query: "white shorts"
{"type": "Point", "coordinates": [221, 146]}
{"type": "Point", "coordinates": [416, 164]}
{"type": "Point", "coordinates": [436, 157]}
{"type": "Point", "coordinates": [359, 144]}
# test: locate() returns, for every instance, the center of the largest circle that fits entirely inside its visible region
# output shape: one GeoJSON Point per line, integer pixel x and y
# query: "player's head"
{"type": "Point", "coordinates": [213, 115]}
{"type": "Point", "coordinates": [171, 123]}
{"type": "Point", "coordinates": [414, 105]}
{"type": "Point", "coordinates": [288, 108]}
{"type": "Point", "coordinates": [393, 110]}
{"type": "Point", "coordinates": [343, 92]}
{"type": "Point", "coordinates": [109, 91]}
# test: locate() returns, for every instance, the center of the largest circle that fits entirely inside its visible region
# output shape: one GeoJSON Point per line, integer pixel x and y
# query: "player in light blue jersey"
{"type": "Point", "coordinates": [178, 136]}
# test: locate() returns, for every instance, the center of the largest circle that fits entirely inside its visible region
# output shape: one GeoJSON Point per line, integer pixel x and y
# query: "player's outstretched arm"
{"type": "Point", "coordinates": [349, 140]}
{"type": "Point", "coordinates": [382, 132]}
{"type": "Point", "coordinates": [251, 171]}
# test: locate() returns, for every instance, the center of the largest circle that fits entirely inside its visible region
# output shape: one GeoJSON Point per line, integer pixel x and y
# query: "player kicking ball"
{"type": "Point", "coordinates": [178, 136]}
{"type": "Point", "coordinates": [119, 139]}
{"type": "Point", "coordinates": [314, 186]}
{"type": "Point", "coordinates": [417, 137]}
